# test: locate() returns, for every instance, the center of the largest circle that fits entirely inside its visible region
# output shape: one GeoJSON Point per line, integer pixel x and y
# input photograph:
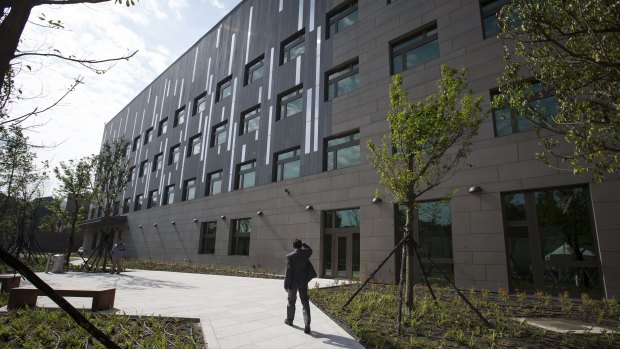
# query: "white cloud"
{"type": "Point", "coordinates": [218, 4]}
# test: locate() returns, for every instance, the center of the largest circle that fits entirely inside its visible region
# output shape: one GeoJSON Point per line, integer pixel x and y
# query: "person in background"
{"type": "Point", "coordinates": [118, 252]}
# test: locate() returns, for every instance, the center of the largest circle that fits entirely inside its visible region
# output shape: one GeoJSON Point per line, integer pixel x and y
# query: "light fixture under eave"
{"type": "Point", "coordinates": [140, 226]}
{"type": "Point", "coordinates": [173, 222]}
{"type": "Point", "coordinates": [376, 200]}
{"type": "Point", "coordinates": [155, 224]}
{"type": "Point", "coordinates": [474, 189]}
{"type": "Point", "coordinates": [259, 213]}
{"type": "Point", "coordinates": [223, 218]}
{"type": "Point", "coordinates": [195, 220]}
{"type": "Point", "coordinates": [309, 208]}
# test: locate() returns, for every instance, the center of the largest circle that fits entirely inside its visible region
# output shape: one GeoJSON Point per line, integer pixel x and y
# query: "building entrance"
{"type": "Point", "coordinates": [341, 244]}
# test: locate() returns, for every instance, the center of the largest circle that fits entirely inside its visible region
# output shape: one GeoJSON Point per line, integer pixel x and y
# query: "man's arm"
{"type": "Point", "coordinates": [288, 274]}
{"type": "Point", "coordinates": [307, 248]}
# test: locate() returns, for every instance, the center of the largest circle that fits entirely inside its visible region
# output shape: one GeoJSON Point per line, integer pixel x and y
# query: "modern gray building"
{"type": "Point", "coordinates": [257, 135]}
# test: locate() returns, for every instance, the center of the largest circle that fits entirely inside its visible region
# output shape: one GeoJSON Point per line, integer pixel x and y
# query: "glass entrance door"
{"type": "Point", "coordinates": [341, 244]}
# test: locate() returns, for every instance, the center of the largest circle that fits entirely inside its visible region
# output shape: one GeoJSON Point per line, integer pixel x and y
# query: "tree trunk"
{"type": "Point", "coordinates": [11, 30]}
{"type": "Point", "coordinates": [410, 281]}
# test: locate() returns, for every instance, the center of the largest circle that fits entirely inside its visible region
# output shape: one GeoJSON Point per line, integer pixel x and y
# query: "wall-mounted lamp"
{"type": "Point", "coordinates": [140, 226]}
{"type": "Point", "coordinates": [173, 222]}
{"type": "Point", "coordinates": [309, 208]}
{"type": "Point", "coordinates": [376, 200]}
{"type": "Point", "coordinates": [195, 220]}
{"type": "Point", "coordinates": [223, 218]}
{"type": "Point", "coordinates": [259, 213]}
{"type": "Point", "coordinates": [286, 191]}
{"type": "Point", "coordinates": [474, 189]}
{"type": "Point", "coordinates": [155, 224]}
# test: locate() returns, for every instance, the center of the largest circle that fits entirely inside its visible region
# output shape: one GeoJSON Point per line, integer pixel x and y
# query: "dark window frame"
{"type": "Point", "coordinates": [335, 148]}
{"type": "Point", "coordinates": [162, 124]}
{"type": "Point", "coordinates": [247, 116]}
{"type": "Point", "coordinates": [131, 174]}
{"type": "Point", "coordinates": [289, 43]}
{"type": "Point", "coordinates": [215, 133]}
{"type": "Point", "coordinates": [239, 173]}
{"type": "Point", "coordinates": [158, 161]}
{"type": "Point", "coordinates": [177, 117]}
{"type": "Point", "coordinates": [143, 168]}
{"type": "Point", "coordinates": [208, 232]}
{"type": "Point", "coordinates": [288, 96]}
{"type": "Point", "coordinates": [235, 237]}
{"type": "Point", "coordinates": [222, 86]}
{"type": "Point", "coordinates": [486, 13]}
{"type": "Point", "coordinates": [152, 195]}
{"type": "Point", "coordinates": [148, 135]}
{"type": "Point", "coordinates": [126, 205]}
{"type": "Point", "coordinates": [253, 66]}
{"type": "Point", "coordinates": [169, 189]}
{"type": "Point", "coordinates": [193, 141]}
{"type": "Point", "coordinates": [402, 51]}
{"type": "Point", "coordinates": [173, 149]}
{"type": "Point", "coordinates": [138, 203]}
{"type": "Point", "coordinates": [346, 70]}
{"type": "Point", "coordinates": [211, 181]}
{"type": "Point", "coordinates": [186, 189]}
{"type": "Point", "coordinates": [136, 142]}
{"type": "Point", "coordinates": [338, 13]}
{"type": "Point", "coordinates": [277, 164]}
{"type": "Point", "coordinates": [197, 100]}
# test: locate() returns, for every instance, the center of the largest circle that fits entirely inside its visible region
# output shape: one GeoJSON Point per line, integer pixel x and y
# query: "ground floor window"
{"type": "Point", "coordinates": [240, 237]}
{"type": "Point", "coordinates": [341, 244]}
{"type": "Point", "coordinates": [207, 237]}
{"type": "Point", "coordinates": [550, 241]}
{"type": "Point", "coordinates": [434, 237]}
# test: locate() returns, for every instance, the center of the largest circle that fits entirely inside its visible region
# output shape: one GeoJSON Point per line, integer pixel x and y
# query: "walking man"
{"type": "Point", "coordinates": [118, 251]}
{"type": "Point", "coordinates": [299, 271]}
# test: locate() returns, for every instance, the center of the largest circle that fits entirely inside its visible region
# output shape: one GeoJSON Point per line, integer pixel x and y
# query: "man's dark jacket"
{"type": "Point", "coordinates": [299, 270]}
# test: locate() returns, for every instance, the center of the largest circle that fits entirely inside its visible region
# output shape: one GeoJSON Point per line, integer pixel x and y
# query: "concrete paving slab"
{"type": "Point", "coordinates": [234, 312]}
{"type": "Point", "coordinates": [565, 325]}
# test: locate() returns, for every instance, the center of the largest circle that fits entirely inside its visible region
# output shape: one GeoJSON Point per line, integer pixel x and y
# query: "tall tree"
{"type": "Point", "coordinates": [573, 48]}
{"type": "Point", "coordinates": [112, 169]}
{"type": "Point", "coordinates": [426, 144]}
{"type": "Point", "coordinates": [76, 185]}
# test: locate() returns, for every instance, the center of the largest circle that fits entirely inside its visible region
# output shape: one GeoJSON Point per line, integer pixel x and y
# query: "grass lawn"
{"type": "Point", "coordinates": [450, 324]}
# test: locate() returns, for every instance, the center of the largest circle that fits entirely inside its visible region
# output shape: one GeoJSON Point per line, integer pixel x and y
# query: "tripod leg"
{"type": "Point", "coordinates": [428, 284]}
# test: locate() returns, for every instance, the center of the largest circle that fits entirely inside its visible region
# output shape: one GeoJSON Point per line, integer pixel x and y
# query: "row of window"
{"type": "Point", "coordinates": [239, 237]}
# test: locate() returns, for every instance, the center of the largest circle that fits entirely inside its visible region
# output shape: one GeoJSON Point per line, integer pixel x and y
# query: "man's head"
{"type": "Point", "coordinates": [296, 243]}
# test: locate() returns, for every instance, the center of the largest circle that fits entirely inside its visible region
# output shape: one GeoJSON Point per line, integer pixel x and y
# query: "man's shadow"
{"type": "Point", "coordinates": [332, 339]}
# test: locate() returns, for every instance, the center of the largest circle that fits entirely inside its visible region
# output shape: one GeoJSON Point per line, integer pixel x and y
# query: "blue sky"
{"type": "Point", "coordinates": [160, 30]}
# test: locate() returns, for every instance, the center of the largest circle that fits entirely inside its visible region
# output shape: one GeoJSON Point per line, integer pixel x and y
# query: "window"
{"type": "Point", "coordinates": [342, 80]}
{"type": "Point", "coordinates": [163, 127]}
{"type": "Point", "coordinates": [126, 205]}
{"type": "Point", "coordinates": [143, 166]}
{"type": "Point", "coordinates": [246, 175]}
{"type": "Point", "coordinates": [341, 243]}
{"type": "Point", "coordinates": [200, 103]}
{"type": "Point", "coordinates": [158, 161]}
{"type": "Point", "coordinates": [550, 241]}
{"type": "Point", "coordinates": [138, 204]}
{"type": "Point", "coordinates": [189, 190]}
{"type": "Point", "coordinates": [254, 70]}
{"type": "Point", "coordinates": [341, 18]}
{"type": "Point", "coordinates": [292, 47]}
{"type": "Point", "coordinates": [417, 48]}
{"type": "Point", "coordinates": [207, 237]}
{"type": "Point", "coordinates": [506, 121]}
{"type": "Point", "coordinates": [175, 153]}
{"type": "Point", "coordinates": [218, 135]}
{"type": "Point", "coordinates": [214, 183]}
{"type": "Point", "coordinates": [290, 103]}
{"type": "Point", "coordinates": [250, 120]}
{"type": "Point", "coordinates": [240, 237]}
{"type": "Point", "coordinates": [286, 165]}
{"type": "Point", "coordinates": [115, 209]}
{"type": "Point", "coordinates": [131, 174]}
{"type": "Point", "coordinates": [489, 10]}
{"type": "Point", "coordinates": [127, 151]}
{"type": "Point", "coordinates": [194, 145]}
{"type": "Point", "coordinates": [342, 151]}
{"type": "Point", "coordinates": [179, 117]}
{"type": "Point", "coordinates": [434, 236]}
{"type": "Point", "coordinates": [168, 195]}
{"type": "Point", "coordinates": [224, 89]}
{"type": "Point", "coordinates": [152, 200]}
{"type": "Point", "coordinates": [148, 136]}
{"type": "Point", "coordinates": [136, 141]}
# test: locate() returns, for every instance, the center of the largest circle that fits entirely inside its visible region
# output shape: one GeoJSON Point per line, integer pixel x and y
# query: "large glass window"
{"type": "Point", "coordinates": [138, 203]}
{"type": "Point", "coordinates": [342, 80]}
{"type": "Point", "coordinates": [136, 141]}
{"type": "Point", "coordinates": [418, 48]}
{"type": "Point", "coordinates": [168, 195]}
{"type": "Point", "coordinates": [189, 190]}
{"type": "Point", "coordinates": [250, 120]}
{"type": "Point", "coordinates": [163, 127]}
{"type": "Point", "coordinates": [214, 183]}
{"type": "Point", "coordinates": [342, 151]}
{"type": "Point", "coordinates": [131, 174]}
{"type": "Point", "coordinates": [148, 136]}
{"type": "Point", "coordinates": [126, 205]}
{"type": "Point", "coordinates": [292, 47]}
{"type": "Point", "coordinates": [158, 161]}
{"type": "Point", "coordinates": [342, 17]}
{"type": "Point", "coordinates": [200, 103]}
{"type": "Point", "coordinates": [143, 166]}
{"type": "Point", "coordinates": [550, 241]}
{"type": "Point", "coordinates": [207, 237]}
{"type": "Point", "coordinates": [175, 154]}
{"type": "Point", "coordinates": [152, 200]}
{"type": "Point", "coordinates": [290, 103]}
{"type": "Point", "coordinates": [489, 10]}
{"type": "Point", "coordinates": [194, 145]}
{"type": "Point", "coordinates": [179, 117]}
{"type": "Point", "coordinates": [246, 175]}
{"type": "Point", "coordinates": [286, 165]}
{"type": "Point", "coordinates": [218, 134]}
{"type": "Point", "coordinates": [240, 237]}
{"type": "Point", "coordinates": [254, 70]}
{"type": "Point", "coordinates": [341, 243]}
{"type": "Point", "coordinates": [542, 102]}
{"type": "Point", "coordinates": [224, 88]}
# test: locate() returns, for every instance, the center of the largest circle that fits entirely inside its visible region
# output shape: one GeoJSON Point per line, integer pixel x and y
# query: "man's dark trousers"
{"type": "Point", "coordinates": [292, 298]}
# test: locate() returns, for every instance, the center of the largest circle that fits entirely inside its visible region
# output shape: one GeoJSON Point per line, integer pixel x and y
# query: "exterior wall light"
{"type": "Point", "coordinates": [140, 226]}
{"type": "Point", "coordinates": [223, 218]}
{"type": "Point", "coordinates": [474, 189]}
{"type": "Point", "coordinates": [376, 200]}
{"type": "Point", "coordinates": [155, 224]}
{"type": "Point", "coordinates": [259, 213]}
{"type": "Point", "coordinates": [195, 220]}
{"type": "Point", "coordinates": [173, 222]}
{"type": "Point", "coordinates": [309, 208]}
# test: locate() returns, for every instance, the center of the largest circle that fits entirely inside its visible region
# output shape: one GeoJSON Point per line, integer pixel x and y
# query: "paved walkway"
{"type": "Point", "coordinates": [234, 312]}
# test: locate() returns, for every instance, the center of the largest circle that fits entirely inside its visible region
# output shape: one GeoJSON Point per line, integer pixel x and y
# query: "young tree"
{"type": "Point", "coordinates": [427, 141]}
{"type": "Point", "coordinates": [573, 48]}
{"type": "Point", "coordinates": [76, 185]}
{"type": "Point", "coordinates": [112, 169]}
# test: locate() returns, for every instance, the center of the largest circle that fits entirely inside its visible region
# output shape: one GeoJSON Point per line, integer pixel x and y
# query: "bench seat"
{"type": "Point", "coordinates": [27, 296]}
{"type": "Point", "coordinates": [9, 282]}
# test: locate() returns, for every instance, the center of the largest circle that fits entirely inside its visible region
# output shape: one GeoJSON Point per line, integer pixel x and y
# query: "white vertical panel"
{"type": "Point", "coordinates": [308, 120]}
{"type": "Point", "coordinates": [243, 153]}
{"type": "Point", "coordinates": [312, 5]}
{"type": "Point", "coordinates": [300, 16]}
{"type": "Point", "coordinates": [176, 83]}
{"type": "Point", "coordinates": [195, 61]}
{"type": "Point", "coordinates": [154, 111]}
{"type": "Point", "coordinates": [210, 83]}
{"type": "Point", "coordinates": [207, 79]}
{"type": "Point", "coordinates": [217, 40]}
{"type": "Point", "coordinates": [168, 88]}
{"type": "Point", "coordinates": [298, 70]}
{"type": "Point", "coordinates": [260, 94]}
{"type": "Point", "coordinates": [180, 93]}
{"type": "Point", "coordinates": [268, 153]}
{"type": "Point", "coordinates": [232, 107]}
{"type": "Point", "coordinates": [281, 6]}
{"type": "Point", "coordinates": [270, 74]}
{"type": "Point", "coordinates": [223, 112]}
{"type": "Point", "coordinates": [247, 47]}
{"type": "Point", "coordinates": [232, 53]}
{"type": "Point", "coordinates": [317, 86]}
{"type": "Point", "coordinates": [148, 98]}
{"type": "Point", "coordinates": [232, 159]}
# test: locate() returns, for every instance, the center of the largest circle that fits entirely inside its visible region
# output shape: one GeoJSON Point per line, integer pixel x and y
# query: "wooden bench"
{"type": "Point", "coordinates": [27, 296]}
{"type": "Point", "coordinates": [9, 282]}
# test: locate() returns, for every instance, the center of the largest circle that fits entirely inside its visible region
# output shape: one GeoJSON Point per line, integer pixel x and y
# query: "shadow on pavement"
{"type": "Point", "coordinates": [334, 340]}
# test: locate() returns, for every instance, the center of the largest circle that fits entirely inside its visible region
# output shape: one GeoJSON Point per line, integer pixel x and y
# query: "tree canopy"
{"type": "Point", "coordinates": [573, 48]}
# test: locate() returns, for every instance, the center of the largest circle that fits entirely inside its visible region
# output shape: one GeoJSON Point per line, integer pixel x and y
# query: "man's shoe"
{"type": "Point", "coordinates": [307, 329]}
{"type": "Point", "coordinates": [288, 322]}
